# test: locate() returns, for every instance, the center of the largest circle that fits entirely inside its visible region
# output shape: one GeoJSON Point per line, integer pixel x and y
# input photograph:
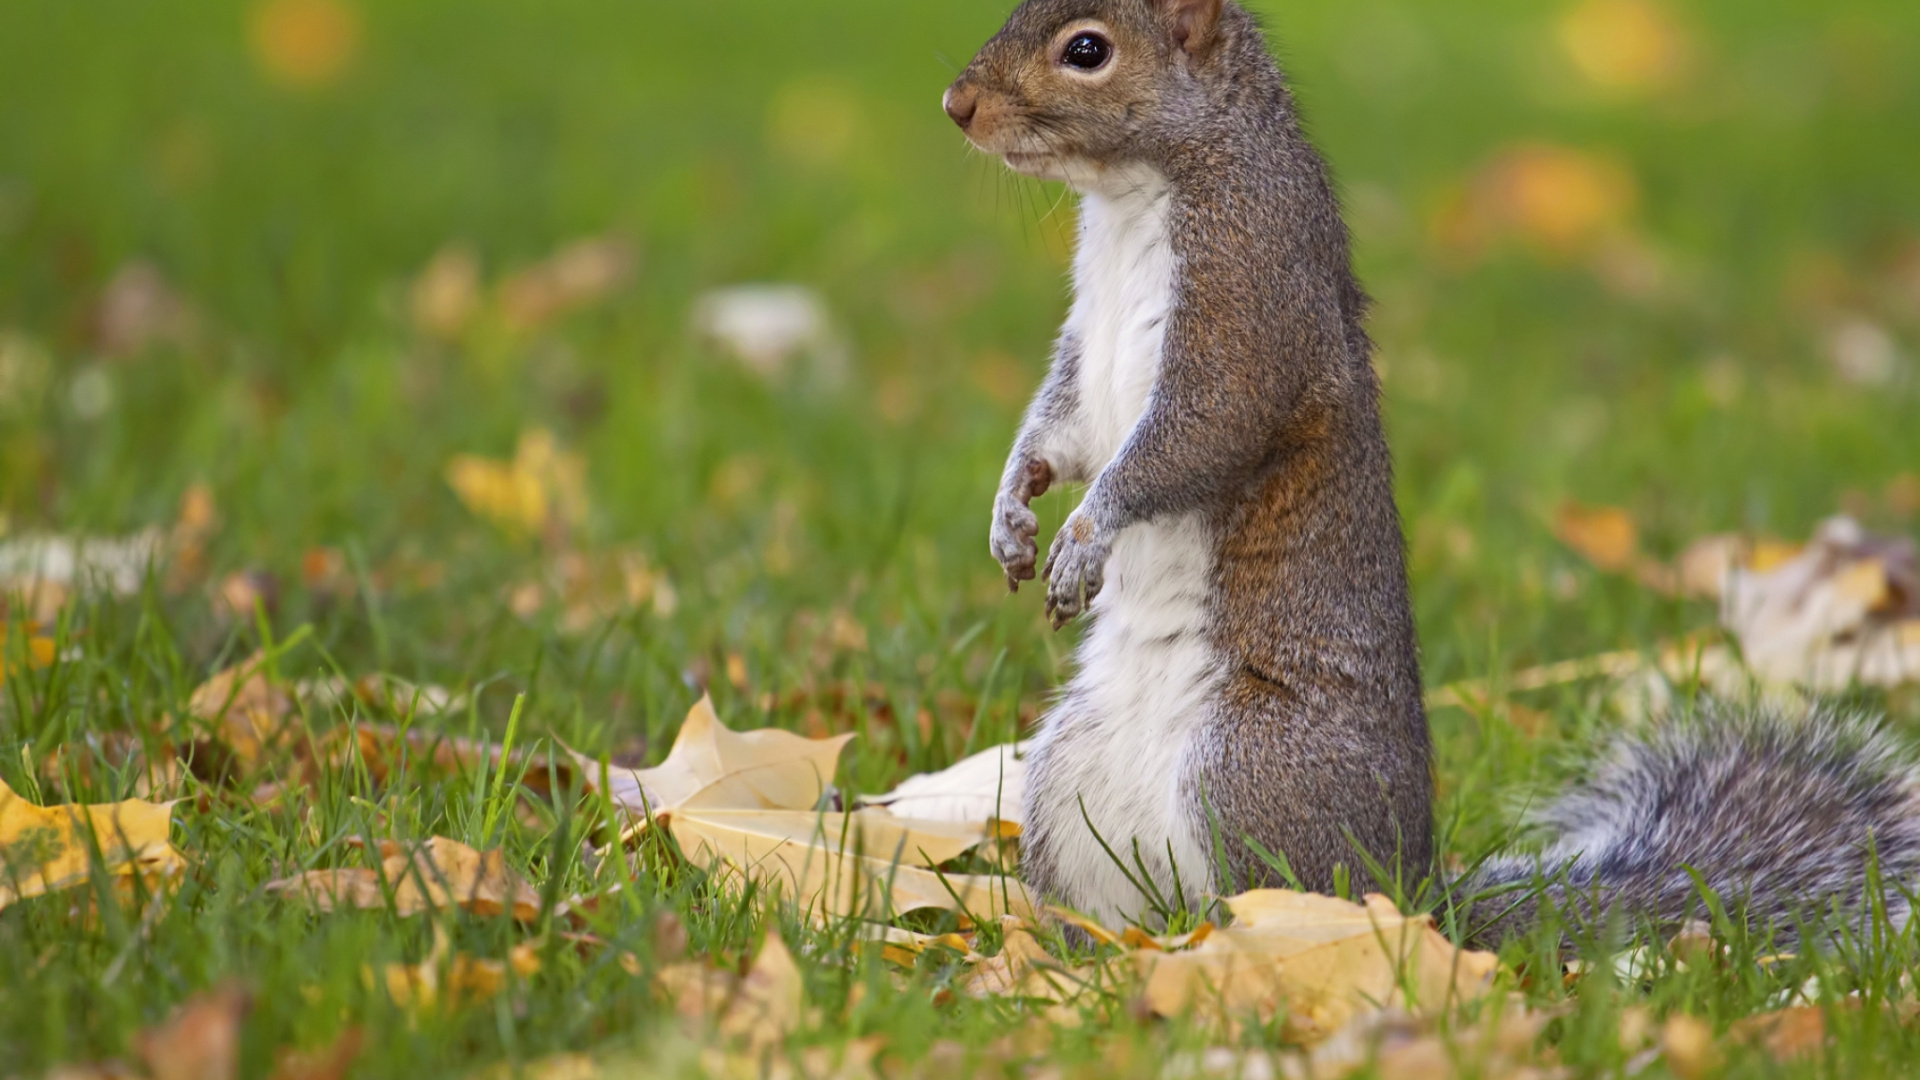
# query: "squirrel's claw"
{"type": "Point", "coordinates": [1075, 570]}
{"type": "Point", "coordinates": [1014, 539]}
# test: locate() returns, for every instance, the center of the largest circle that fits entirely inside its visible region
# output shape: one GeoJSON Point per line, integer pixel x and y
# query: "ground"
{"type": "Point", "coordinates": [1665, 257]}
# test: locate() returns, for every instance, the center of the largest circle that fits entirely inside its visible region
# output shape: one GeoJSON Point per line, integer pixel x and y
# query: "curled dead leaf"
{"type": "Point", "coordinates": [435, 874]}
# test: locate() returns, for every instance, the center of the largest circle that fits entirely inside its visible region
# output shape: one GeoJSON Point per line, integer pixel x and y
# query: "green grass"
{"type": "Point", "coordinates": [747, 140]}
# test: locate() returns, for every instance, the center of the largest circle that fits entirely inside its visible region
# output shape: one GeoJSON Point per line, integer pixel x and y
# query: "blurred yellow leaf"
{"type": "Point", "coordinates": [438, 873]}
{"type": "Point", "coordinates": [455, 979]}
{"type": "Point", "coordinates": [304, 43]}
{"type": "Point", "coordinates": [446, 295]}
{"type": "Point", "coordinates": [1558, 199]}
{"type": "Point", "coordinates": [1623, 45]}
{"type": "Point", "coordinates": [1605, 536]}
{"type": "Point", "coordinates": [542, 487]}
{"type": "Point", "coordinates": [44, 849]}
{"type": "Point", "coordinates": [39, 650]}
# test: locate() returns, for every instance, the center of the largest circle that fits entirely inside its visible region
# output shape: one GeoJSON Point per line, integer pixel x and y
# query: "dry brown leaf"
{"type": "Point", "coordinates": [1785, 1034]}
{"type": "Point", "coordinates": [1325, 960]}
{"type": "Point", "coordinates": [766, 1007]}
{"type": "Point", "coordinates": [435, 874]}
{"type": "Point", "coordinates": [44, 849]}
{"type": "Point", "coordinates": [249, 711]}
{"type": "Point", "coordinates": [454, 979]}
{"type": "Point", "coordinates": [332, 1062]}
{"type": "Point", "coordinates": [1022, 968]}
{"type": "Point", "coordinates": [582, 273]}
{"type": "Point", "coordinates": [201, 1041]}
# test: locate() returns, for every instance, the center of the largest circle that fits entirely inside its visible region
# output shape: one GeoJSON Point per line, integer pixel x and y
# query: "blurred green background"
{"type": "Point", "coordinates": [284, 279]}
{"type": "Point", "coordinates": [1660, 255]}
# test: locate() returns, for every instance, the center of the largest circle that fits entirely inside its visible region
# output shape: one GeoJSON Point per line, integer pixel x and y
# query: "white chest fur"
{"type": "Point", "coordinates": [1118, 742]}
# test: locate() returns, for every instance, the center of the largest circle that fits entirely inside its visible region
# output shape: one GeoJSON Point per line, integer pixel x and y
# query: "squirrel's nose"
{"type": "Point", "coordinates": [960, 103]}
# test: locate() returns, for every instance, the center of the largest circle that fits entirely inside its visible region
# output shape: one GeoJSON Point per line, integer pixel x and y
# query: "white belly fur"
{"type": "Point", "coordinates": [1117, 741]}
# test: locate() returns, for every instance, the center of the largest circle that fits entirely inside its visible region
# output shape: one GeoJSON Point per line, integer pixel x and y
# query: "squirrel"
{"type": "Point", "coordinates": [1246, 707]}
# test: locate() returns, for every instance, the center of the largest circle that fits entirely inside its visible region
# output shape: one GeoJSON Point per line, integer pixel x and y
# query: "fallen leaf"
{"type": "Point", "coordinates": [304, 44]}
{"type": "Point", "coordinates": [201, 1041]}
{"type": "Point", "coordinates": [1323, 960]}
{"type": "Point", "coordinates": [584, 272]}
{"type": "Point", "coordinates": [1847, 588]}
{"type": "Point", "coordinates": [1687, 1044]}
{"type": "Point", "coordinates": [905, 947]}
{"type": "Point", "coordinates": [46, 849]}
{"type": "Point", "coordinates": [988, 786]}
{"type": "Point", "coordinates": [1785, 1034]}
{"type": "Point", "coordinates": [1631, 46]}
{"type": "Point", "coordinates": [1605, 536]}
{"type": "Point", "coordinates": [332, 1062]}
{"type": "Point", "coordinates": [436, 874]}
{"type": "Point", "coordinates": [744, 803]}
{"type": "Point", "coordinates": [766, 1007]}
{"type": "Point", "coordinates": [248, 710]}
{"type": "Point", "coordinates": [37, 650]}
{"type": "Point", "coordinates": [543, 488]}
{"type": "Point", "coordinates": [446, 295]}
{"type": "Point", "coordinates": [1022, 968]}
{"type": "Point", "coordinates": [455, 979]}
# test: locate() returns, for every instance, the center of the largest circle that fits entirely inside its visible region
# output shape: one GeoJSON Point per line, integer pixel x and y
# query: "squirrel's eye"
{"type": "Point", "coordinates": [1087, 51]}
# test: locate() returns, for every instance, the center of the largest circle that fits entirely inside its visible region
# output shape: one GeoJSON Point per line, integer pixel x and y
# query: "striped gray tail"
{"type": "Point", "coordinates": [1781, 818]}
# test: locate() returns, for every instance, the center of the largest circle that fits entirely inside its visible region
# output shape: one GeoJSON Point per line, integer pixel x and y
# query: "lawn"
{"type": "Point", "coordinates": [272, 273]}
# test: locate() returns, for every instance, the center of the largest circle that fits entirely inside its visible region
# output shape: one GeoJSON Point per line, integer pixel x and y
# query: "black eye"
{"type": "Point", "coordinates": [1087, 51]}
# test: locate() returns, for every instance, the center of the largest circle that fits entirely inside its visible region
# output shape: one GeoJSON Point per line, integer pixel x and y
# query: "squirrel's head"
{"type": "Point", "coordinates": [1073, 87]}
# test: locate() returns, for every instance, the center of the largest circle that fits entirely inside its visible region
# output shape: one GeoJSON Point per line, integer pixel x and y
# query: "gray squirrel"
{"type": "Point", "coordinates": [1247, 705]}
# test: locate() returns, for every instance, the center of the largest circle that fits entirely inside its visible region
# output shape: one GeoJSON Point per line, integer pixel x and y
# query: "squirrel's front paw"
{"type": "Point", "coordinates": [1015, 539]}
{"type": "Point", "coordinates": [1076, 568]}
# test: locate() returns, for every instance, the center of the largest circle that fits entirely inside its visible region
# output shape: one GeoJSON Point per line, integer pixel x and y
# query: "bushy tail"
{"type": "Point", "coordinates": [1780, 817]}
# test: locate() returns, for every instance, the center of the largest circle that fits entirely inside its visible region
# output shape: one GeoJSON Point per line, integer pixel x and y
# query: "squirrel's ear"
{"type": "Point", "coordinates": [1192, 22]}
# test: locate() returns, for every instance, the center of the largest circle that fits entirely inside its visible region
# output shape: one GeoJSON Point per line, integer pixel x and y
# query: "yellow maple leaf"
{"type": "Point", "coordinates": [45, 849]}
{"type": "Point", "coordinates": [746, 804]}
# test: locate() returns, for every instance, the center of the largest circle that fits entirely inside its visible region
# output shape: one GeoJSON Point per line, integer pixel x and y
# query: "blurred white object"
{"type": "Point", "coordinates": [1842, 610]}
{"type": "Point", "coordinates": [767, 326]}
{"type": "Point", "coordinates": [991, 784]}
{"type": "Point", "coordinates": [116, 564]}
